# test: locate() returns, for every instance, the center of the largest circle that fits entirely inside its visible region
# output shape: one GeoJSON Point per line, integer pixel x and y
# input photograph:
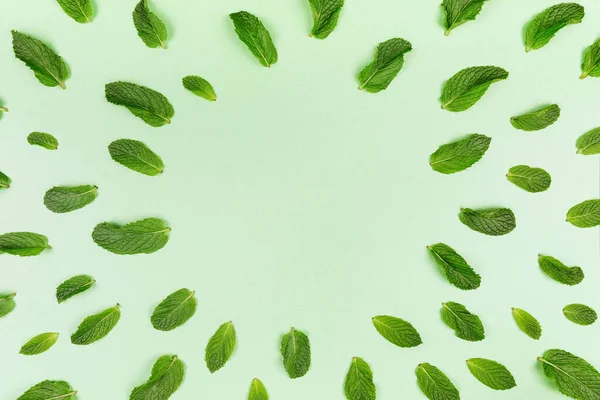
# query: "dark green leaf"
{"type": "Point", "coordinates": [538, 119]}
{"type": "Point", "coordinates": [62, 199]}
{"type": "Point", "coordinates": [97, 326]}
{"type": "Point", "coordinates": [457, 270]}
{"type": "Point", "coordinates": [546, 24]}
{"type": "Point", "coordinates": [253, 34]}
{"type": "Point", "coordinates": [149, 27]}
{"type": "Point", "coordinates": [143, 102]}
{"type": "Point", "coordinates": [580, 314]}
{"type": "Point", "coordinates": [174, 311]}
{"type": "Point", "coordinates": [469, 85]}
{"type": "Point", "coordinates": [491, 373]}
{"type": "Point", "coordinates": [466, 326]}
{"type": "Point", "coordinates": [42, 139]}
{"type": "Point", "coordinates": [140, 237]}
{"type": "Point", "coordinates": [573, 376]}
{"type": "Point", "coordinates": [559, 271]}
{"type": "Point", "coordinates": [23, 244]}
{"type": "Point", "coordinates": [389, 59]}
{"type": "Point", "coordinates": [295, 350]}
{"type": "Point", "coordinates": [459, 155]}
{"type": "Point", "coordinates": [72, 286]}
{"type": "Point", "coordinates": [397, 331]}
{"type": "Point", "coordinates": [533, 180]}
{"type": "Point", "coordinates": [435, 384]}
{"type": "Point", "coordinates": [325, 15]}
{"type": "Point", "coordinates": [493, 222]}
{"type": "Point", "coordinates": [220, 347]}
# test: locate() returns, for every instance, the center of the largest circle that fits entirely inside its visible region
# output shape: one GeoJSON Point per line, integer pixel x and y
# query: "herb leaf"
{"type": "Point", "coordinates": [493, 222]}
{"type": "Point", "coordinates": [538, 119]}
{"type": "Point", "coordinates": [388, 61]}
{"type": "Point", "coordinates": [455, 268]}
{"type": "Point", "coordinates": [97, 326]}
{"type": "Point", "coordinates": [136, 156]}
{"type": "Point", "coordinates": [72, 286]}
{"type": "Point", "coordinates": [144, 236]}
{"type": "Point", "coordinates": [325, 15]}
{"type": "Point", "coordinates": [591, 61]}
{"type": "Point", "coordinates": [39, 344]}
{"type": "Point", "coordinates": [79, 10]}
{"type": "Point", "coordinates": [397, 331]}
{"type": "Point", "coordinates": [573, 376]}
{"type": "Point", "coordinates": [359, 381]}
{"type": "Point", "coordinates": [533, 180]}
{"type": "Point", "coordinates": [295, 349]}
{"type": "Point", "coordinates": [200, 87]}
{"type": "Point", "coordinates": [527, 323]}
{"type": "Point", "coordinates": [42, 139]}
{"type": "Point", "coordinates": [49, 390]}
{"type": "Point", "coordinates": [4, 181]}
{"type": "Point", "coordinates": [589, 143]}
{"type": "Point", "coordinates": [469, 85]}
{"type": "Point", "coordinates": [559, 271]}
{"type": "Point", "coordinates": [149, 27]}
{"type": "Point", "coordinates": [583, 215]}
{"type": "Point", "coordinates": [491, 373]}
{"type": "Point", "coordinates": [253, 34]}
{"type": "Point", "coordinates": [143, 102]}
{"type": "Point", "coordinates": [23, 244]}
{"type": "Point", "coordinates": [174, 311]}
{"type": "Point", "coordinates": [457, 12]}
{"type": "Point", "coordinates": [62, 199]}
{"type": "Point", "coordinates": [580, 314]}
{"type": "Point", "coordinates": [546, 24]}
{"type": "Point", "coordinates": [220, 347]}
{"type": "Point", "coordinates": [257, 391]}
{"type": "Point", "coordinates": [167, 375]}
{"type": "Point", "coordinates": [466, 326]}
{"type": "Point", "coordinates": [435, 384]}
{"type": "Point", "coordinates": [7, 303]}
{"type": "Point", "coordinates": [459, 155]}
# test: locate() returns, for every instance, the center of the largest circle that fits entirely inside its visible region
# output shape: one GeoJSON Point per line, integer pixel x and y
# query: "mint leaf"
{"type": "Point", "coordinates": [167, 375]}
{"type": "Point", "coordinates": [7, 303]}
{"type": "Point", "coordinates": [469, 85]}
{"type": "Point", "coordinates": [589, 143]}
{"type": "Point", "coordinates": [580, 314]}
{"type": "Point", "coordinates": [491, 373]}
{"type": "Point", "coordinates": [253, 34]}
{"type": "Point", "coordinates": [136, 156]}
{"type": "Point", "coordinates": [527, 323]}
{"type": "Point", "coordinates": [42, 139]}
{"type": "Point", "coordinates": [493, 222]}
{"type": "Point", "coordinates": [72, 286]}
{"type": "Point", "coordinates": [4, 181]}
{"type": "Point", "coordinates": [295, 349]}
{"type": "Point", "coordinates": [388, 61]}
{"type": "Point", "coordinates": [359, 381]}
{"type": "Point", "coordinates": [97, 326]}
{"type": "Point", "coordinates": [325, 14]}
{"type": "Point", "coordinates": [143, 102]}
{"type": "Point", "coordinates": [533, 180]}
{"type": "Point", "coordinates": [457, 12]}
{"type": "Point", "coordinates": [257, 391]}
{"type": "Point", "coordinates": [397, 331]}
{"type": "Point", "coordinates": [435, 384]}
{"type": "Point", "coordinates": [174, 311]}
{"type": "Point", "coordinates": [200, 87]}
{"type": "Point", "coordinates": [39, 344]}
{"type": "Point", "coordinates": [583, 215]}
{"type": "Point", "coordinates": [49, 390]}
{"type": "Point", "coordinates": [546, 24]}
{"type": "Point", "coordinates": [538, 119]}
{"type": "Point", "coordinates": [220, 347]}
{"type": "Point", "coordinates": [149, 27]}
{"type": "Point", "coordinates": [559, 271]}
{"type": "Point", "coordinates": [591, 61]}
{"type": "Point", "coordinates": [144, 236]}
{"type": "Point", "coordinates": [459, 155]}
{"type": "Point", "coordinates": [79, 10]}
{"type": "Point", "coordinates": [49, 68]}
{"type": "Point", "coordinates": [62, 199]}
{"type": "Point", "coordinates": [455, 268]}
{"type": "Point", "coordinates": [466, 326]}
{"type": "Point", "coordinates": [573, 376]}
{"type": "Point", "coordinates": [23, 244]}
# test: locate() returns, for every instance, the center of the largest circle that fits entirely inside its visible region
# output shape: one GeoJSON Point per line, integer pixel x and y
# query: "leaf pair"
{"type": "Point", "coordinates": [63, 199]}
{"type": "Point", "coordinates": [42, 139]}
{"type": "Point", "coordinates": [49, 390]}
{"type": "Point", "coordinates": [389, 59]}
{"type": "Point", "coordinates": [493, 222]}
{"type": "Point", "coordinates": [140, 237]}
{"type": "Point", "coordinates": [145, 103]}
{"type": "Point", "coordinates": [467, 86]}
{"type": "Point", "coordinates": [459, 155]}
{"type": "Point", "coordinates": [80, 10]}
{"type": "Point", "coordinates": [49, 68]}
{"type": "Point", "coordinates": [39, 344]}
{"type": "Point", "coordinates": [585, 214]}
{"type": "Point", "coordinates": [255, 36]}
{"type": "Point", "coordinates": [166, 377]}
{"type": "Point", "coordinates": [97, 326]}
{"type": "Point", "coordinates": [23, 244]}
{"type": "Point", "coordinates": [573, 376]}
{"type": "Point", "coordinates": [546, 24]}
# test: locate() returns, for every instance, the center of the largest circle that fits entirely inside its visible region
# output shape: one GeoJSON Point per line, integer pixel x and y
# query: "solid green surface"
{"type": "Point", "coordinates": [295, 199]}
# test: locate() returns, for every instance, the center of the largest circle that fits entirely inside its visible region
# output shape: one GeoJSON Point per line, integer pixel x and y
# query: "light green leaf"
{"type": "Point", "coordinates": [493, 222]}
{"type": "Point", "coordinates": [149, 27]}
{"type": "Point", "coordinates": [546, 24]}
{"type": "Point", "coordinates": [257, 391]}
{"type": "Point", "coordinates": [136, 156]}
{"type": "Point", "coordinates": [538, 119]}
{"type": "Point", "coordinates": [295, 349]}
{"type": "Point", "coordinates": [388, 61]}
{"type": "Point", "coordinates": [62, 199]}
{"type": "Point", "coordinates": [573, 376]}
{"type": "Point", "coordinates": [589, 143]}
{"type": "Point", "coordinates": [200, 87]}
{"type": "Point", "coordinates": [167, 375]}
{"type": "Point", "coordinates": [72, 286]}
{"type": "Point", "coordinates": [457, 12]}
{"type": "Point", "coordinates": [325, 14]}
{"type": "Point", "coordinates": [49, 68]}
{"type": "Point", "coordinates": [220, 347]}
{"type": "Point", "coordinates": [583, 215]}
{"type": "Point", "coordinates": [144, 236]}
{"type": "Point", "coordinates": [469, 85]}
{"type": "Point", "coordinates": [435, 384]}
{"type": "Point", "coordinates": [527, 323]}
{"type": "Point", "coordinates": [7, 303]}
{"type": "Point", "coordinates": [23, 244]}
{"type": "Point", "coordinates": [533, 180]}
{"type": "Point", "coordinates": [4, 181]}
{"type": "Point", "coordinates": [80, 10]}
{"type": "Point", "coordinates": [466, 326]}
{"type": "Point", "coordinates": [580, 314]}
{"type": "Point", "coordinates": [143, 102]}
{"type": "Point", "coordinates": [97, 326]}
{"type": "Point", "coordinates": [3, 110]}
{"type": "Point", "coordinates": [359, 381]}
{"type": "Point", "coordinates": [559, 271]}
{"type": "Point", "coordinates": [42, 139]}
{"type": "Point", "coordinates": [49, 390]}
{"type": "Point", "coordinates": [459, 155]}
{"type": "Point", "coordinates": [591, 61]}
{"type": "Point", "coordinates": [457, 270]}
{"type": "Point", "coordinates": [174, 311]}
{"type": "Point", "coordinates": [491, 373]}
{"type": "Point", "coordinates": [253, 34]}
{"type": "Point", "coordinates": [39, 344]}
{"type": "Point", "coordinates": [397, 331]}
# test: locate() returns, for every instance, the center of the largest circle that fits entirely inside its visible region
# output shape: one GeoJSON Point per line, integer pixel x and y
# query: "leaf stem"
{"type": "Point", "coordinates": [584, 75]}
{"type": "Point", "coordinates": [3, 109]}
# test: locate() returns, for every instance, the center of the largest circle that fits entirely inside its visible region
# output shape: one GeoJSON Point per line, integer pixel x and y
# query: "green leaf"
{"type": "Point", "coordinates": [295, 349]}
{"type": "Point", "coordinates": [137, 156]}
{"type": "Point", "coordinates": [149, 27]}
{"type": "Point", "coordinates": [62, 199]}
{"type": "Point", "coordinates": [527, 323]}
{"type": "Point", "coordinates": [538, 119]}
{"type": "Point", "coordinates": [455, 268]}
{"type": "Point", "coordinates": [174, 311]}
{"type": "Point", "coordinates": [493, 222]}
{"type": "Point", "coordinates": [573, 376]}
{"type": "Point", "coordinates": [72, 286]}
{"type": "Point", "coordinates": [589, 143]}
{"type": "Point", "coordinates": [459, 155]}
{"type": "Point", "coordinates": [97, 326]}
{"type": "Point", "coordinates": [359, 381]}
{"type": "Point", "coordinates": [3, 110]}
{"type": "Point", "coordinates": [80, 10]}
{"type": "Point", "coordinates": [580, 314]}
{"type": "Point", "coordinates": [49, 68]}
{"type": "Point", "coordinates": [457, 12]}
{"type": "Point", "coordinates": [143, 102]}
{"type": "Point", "coordinates": [533, 180]}
{"type": "Point", "coordinates": [559, 271]}
{"type": "Point", "coordinates": [42, 139]}
{"type": "Point", "coordinates": [466, 326]}
{"type": "Point", "coordinates": [144, 236]}
{"type": "Point", "coordinates": [23, 244]}
{"type": "Point", "coordinates": [253, 34]}
{"type": "Point", "coordinates": [583, 215]}
{"type": "Point", "coordinates": [7, 303]}
{"type": "Point", "coordinates": [546, 24]}
{"type": "Point", "coordinates": [591, 61]}
{"type": "Point", "coordinates": [397, 331]}
{"type": "Point", "coordinates": [491, 373]}
{"type": "Point", "coordinates": [220, 347]}
{"type": "Point", "coordinates": [39, 344]}
{"type": "Point", "coordinates": [388, 61]}
{"type": "Point", "coordinates": [167, 375]}
{"type": "Point", "coordinates": [257, 391]}
{"type": "Point", "coordinates": [325, 14]}
{"type": "Point", "coordinates": [200, 87]}
{"type": "Point", "coordinates": [434, 384]}
{"type": "Point", "coordinates": [4, 181]}
{"type": "Point", "coordinates": [49, 390]}
{"type": "Point", "coordinates": [469, 85]}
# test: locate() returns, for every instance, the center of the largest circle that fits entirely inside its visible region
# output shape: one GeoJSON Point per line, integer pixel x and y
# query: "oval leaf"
{"type": "Point", "coordinates": [48, 390]}
{"type": "Point", "coordinates": [140, 237]}
{"type": "Point", "coordinates": [95, 327]}
{"type": "Point", "coordinates": [493, 222]}
{"type": "Point", "coordinates": [42, 139]}
{"type": "Point", "coordinates": [491, 373]}
{"type": "Point", "coordinates": [136, 156]}
{"type": "Point", "coordinates": [220, 347]}
{"type": "Point", "coordinates": [295, 349]}
{"type": "Point", "coordinates": [167, 375]}
{"type": "Point", "coordinates": [397, 331]}
{"type": "Point", "coordinates": [533, 180]}
{"type": "Point", "coordinates": [559, 271]}
{"type": "Point", "coordinates": [7, 303]}
{"type": "Point", "coordinates": [325, 15]}
{"type": "Point", "coordinates": [257, 391]}
{"type": "Point", "coordinates": [62, 199]}
{"type": "Point", "coordinates": [527, 323]}
{"type": "Point", "coordinates": [49, 68]}
{"type": "Point", "coordinates": [457, 270]}
{"type": "Point", "coordinates": [72, 286]}
{"type": "Point", "coordinates": [583, 215]}
{"type": "Point", "coordinates": [466, 326]}
{"type": "Point", "coordinates": [23, 244]}
{"type": "Point", "coordinates": [589, 143]}
{"type": "Point", "coordinates": [80, 10]}
{"type": "Point", "coordinates": [359, 381]}
{"type": "Point", "coordinates": [435, 384]}
{"type": "Point", "coordinates": [537, 120]}
{"type": "Point", "coordinates": [457, 12]}
{"type": "Point", "coordinates": [459, 155]}
{"type": "Point", "coordinates": [174, 311]}
{"type": "Point", "coordinates": [253, 34]}
{"type": "Point", "coordinates": [149, 27]}
{"type": "Point", "coordinates": [546, 24]}
{"type": "Point", "coordinates": [143, 102]}
{"type": "Point", "coordinates": [39, 344]}
{"type": "Point", "coordinates": [580, 314]}
{"type": "Point", "coordinates": [573, 376]}
{"type": "Point", "coordinates": [200, 87]}
{"type": "Point", "coordinates": [591, 61]}
{"type": "Point", "coordinates": [469, 85]}
{"type": "Point", "coordinates": [389, 59]}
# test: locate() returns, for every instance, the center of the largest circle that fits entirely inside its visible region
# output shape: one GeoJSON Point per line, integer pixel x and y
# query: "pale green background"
{"type": "Point", "coordinates": [295, 199]}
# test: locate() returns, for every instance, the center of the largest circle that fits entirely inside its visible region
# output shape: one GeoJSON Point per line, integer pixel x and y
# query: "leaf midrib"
{"type": "Point", "coordinates": [543, 360]}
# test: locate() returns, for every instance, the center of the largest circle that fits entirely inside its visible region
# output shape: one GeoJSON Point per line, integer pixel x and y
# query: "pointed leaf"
{"type": "Point", "coordinates": [469, 85]}
{"type": "Point", "coordinates": [49, 68]}
{"type": "Point", "coordinates": [435, 384]}
{"type": "Point", "coordinates": [459, 155]}
{"type": "Point", "coordinates": [583, 215]}
{"type": "Point", "coordinates": [591, 61]}
{"type": "Point", "coordinates": [466, 326]}
{"type": "Point", "coordinates": [493, 222]}
{"type": "Point", "coordinates": [325, 14]}
{"type": "Point", "coordinates": [80, 10]}
{"type": "Point", "coordinates": [39, 344]}
{"type": "Point", "coordinates": [580, 314]}
{"type": "Point", "coordinates": [42, 139]}
{"type": "Point", "coordinates": [546, 24]}
{"type": "Point", "coordinates": [149, 27]}
{"type": "Point", "coordinates": [62, 199]}
{"type": "Point", "coordinates": [491, 373]}
{"type": "Point", "coordinates": [174, 311]}
{"type": "Point", "coordinates": [140, 237]}
{"type": "Point", "coordinates": [167, 375]}
{"type": "Point", "coordinates": [397, 331]}
{"type": "Point", "coordinates": [72, 286]}
{"type": "Point", "coordinates": [389, 59]}
{"type": "Point", "coordinates": [220, 347]}
{"type": "Point", "coordinates": [136, 156]}
{"type": "Point", "coordinates": [457, 12]}
{"type": "Point", "coordinates": [200, 87]}
{"type": "Point", "coordinates": [253, 34]}
{"type": "Point", "coordinates": [143, 102]}
{"type": "Point", "coordinates": [559, 271]}
{"type": "Point", "coordinates": [457, 270]}
{"type": "Point", "coordinates": [527, 323]}
{"type": "Point", "coordinates": [7, 303]}
{"type": "Point", "coordinates": [95, 327]}
{"type": "Point", "coordinates": [359, 381]}
{"type": "Point", "coordinates": [589, 143]}
{"type": "Point", "coordinates": [257, 391]}
{"type": "Point", "coordinates": [295, 349]}
{"type": "Point", "coordinates": [49, 390]}
{"type": "Point", "coordinates": [533, 180]}
{"type": "Point", "coordinates": [23, 244]}
{"type": "Point", "coordinates": [573, 376]}
{"type": "Point", "coordinates": [537, 120]}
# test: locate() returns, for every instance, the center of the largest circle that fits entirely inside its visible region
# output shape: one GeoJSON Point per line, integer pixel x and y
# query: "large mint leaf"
{"type": "Point", "coordinates": [167, 375]}
{"type": "Point", "coordinates": [80, 10]}
{"type": "Point", "coordinates": [530, 179]}
{"type": "Point", "coordinates": [546, 24]}
{"type": "Point", "coordinates": [469, 85]}
{"type": "Point", "coordinates": [7, 303]}
{"type": "Point", "coordinates": [491, 373]}
{"type": "Point", "coordinates": [573, 376]}
{"type": "Point", "coordinates": [359, 381]}
{"type": "Point", "coordinates": [527, 323]}
{"type": "Point", "coordinates": [325, 14]}
{"type": "Point", "coordinates": [136, 156]}
{"type": "Point", "coordinates": [174, 311]}
{"type": "Point", "coordinates": [42, 139]}
{"type": "Point", "coordinates": [580, 314]}
{"type": "Point", "coordinates": [397, 331]}
{"type": "Point", "coordinates": [23, 244]}
{"type": "Point", "coordinates": [455, 268]}
{"type": "Point", "coordinates": [295, 350]}
{"type": "Point", "coordinates": [493, 222]}
{"type": "Point", "coordinates": [253, 34]}
{"type": "Point", "coordinates": [149, 27]}
{"type": "Point", "coordinates": [72, 286]}
{"type": "Point", "coordinates": [589, 143]}
{"type": "Point", "coordinates": [143, 102]}
{"type": "Point", "coordinates": [538, 119]}
{"type": "Point", "coordinates": [583, 215]}
{"type": "Point", "coordinates": [459, 155]}
{"type": "Point", "coordinates": [49, 68]}
{"type": "Point", "coordinates": [435, 384]}
{"type": "Point", "coordinates": [97, 326]}
{"type": "Point", "coordinates": [49, 390]}
{"type": "Point", "coordinates": [457, 12]}
{"type": "Point", "coordinates": [39, 344]}
{"type": "Point", "coordinates": [558, 271]}
{"type": "Point", "coordinates": [466, 326]}
{"type": "Point", "coordinates": [144, 236]}
{"type": "Point", "coordinates": [220, 347]}
{"type": "Point", "coordinates": [389, 59]}
{"type": "Point", "coordinates": [62, 199]}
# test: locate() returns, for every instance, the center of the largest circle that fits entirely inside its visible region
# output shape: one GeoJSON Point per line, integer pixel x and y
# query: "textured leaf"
{"type": "Point", "coordinates": [531, 179]}
{"type": "Point", "coordinates": [49, 68]}
{"type": "Point", "coordinates": [149, 27]}
{"type": "Point", "coordinates": [589, 143]}
{"type": "Point", "coordinates": [435, 384]}
{"type": "Point", "coordinates": [167, 375]}
{"type": "Point", "coordinates": [39, 344]}
{"type": "Point", "coordinates": [257, 391]}
{"type": "Point", "coordinates": [359, 381]}
{"type": "Point", "coordinates": [49, 390]}
{"type": "Point", "coordinates": [42, 139]}
{"type": "Point", "coordinates": [144, 236]}
{"type": "Point", "coordinates": [7, 303]}
{"type": "Point", "coordinates": [527, 323]}
{"type": "Point", "coordinates": [95, 327]}
{"type": "Point", "coordinates": [559, 271]}
{"type": "Point", "coordinates": [220, 347]}
{"type": "Point", "coordinates": [580, 314]}
{"type": "Point", "coordinates": [469, 85]}
{"type": "Point", "coordinates": [80, 10]}
{"type": "Point", "coordinates": [591, 61]}
{"type": "Point", "coordinates": [493, 222]}
{"type": "Point", "coordinates": [582, 215]}
{"type": "Point", "coordinates": [466, 326]}
{"type": "Point", "coordinates": [200, 87]}
{"type": "Point", "coordinates": [174, 311]}
{"type": "Point", "coordinates": [491, 373]}
{"type": "Point", "coordinates": [325, 14]}
{"type": "Point", "coordinates": [4, 181]}
{"type": "Point", "coordinates": [573, 376]}
{"type": "Point", "coordinates": [143, 102]}
{"type": "Point", "coordinates": [62, 199]}
{"type": "Point", "coordinates": [72, 286]}
{"type": "Point", "coordinates": [23, 244]}
{"type": "Point", "coordinates": [253, 34]}
{"type": "Point", "coordinates": [457, 270]}
{"type": "Point", "coordinates": [396, 330]}
{"type": "Point", "coordinates": [295, 349]}
{"type": "Point", "coordinates": [546, 24]}
{"type": "Point", "coordinates": [388, 61]}
{"type": "Point", "coordinates": [537, 120]}
{"type": "Point", "coordinates": [457, 12]}
{"type": "Point", "coordinates": [459, 155]}
{"type": "Point", "coordinates": [137, 156]}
